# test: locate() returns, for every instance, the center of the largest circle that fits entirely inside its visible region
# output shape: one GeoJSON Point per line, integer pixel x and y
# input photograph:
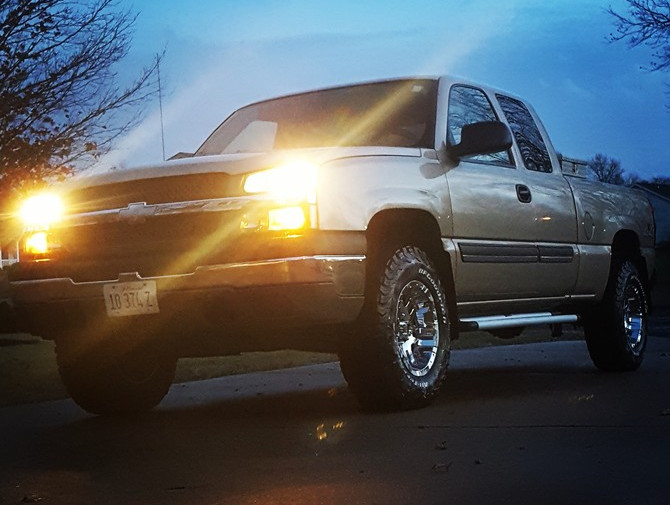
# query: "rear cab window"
{"type": "Point", "coordinates": [534, 152]}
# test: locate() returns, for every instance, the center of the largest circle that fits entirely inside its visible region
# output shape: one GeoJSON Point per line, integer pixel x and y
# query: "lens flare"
{"type": "Point", "coordinates": [294, 181]}
{"type": "Point", "coordinates": [41, 211]}
{"type": "Point", "coordinates": [286, 218]}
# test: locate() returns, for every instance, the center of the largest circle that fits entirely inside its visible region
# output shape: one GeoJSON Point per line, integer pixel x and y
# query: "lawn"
{"type": "Point", "coordinates": [28, 370]}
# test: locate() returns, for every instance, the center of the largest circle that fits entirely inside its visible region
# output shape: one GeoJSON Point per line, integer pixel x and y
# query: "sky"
{"type": "Point", "coordinates": [592, 95]}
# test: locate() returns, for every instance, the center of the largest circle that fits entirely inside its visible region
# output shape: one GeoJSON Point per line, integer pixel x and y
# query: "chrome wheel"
{"type": "Point", "coordinates": [634, 316]}
{"type": "Point", "coordinates": [399, 359]}
{"type": "Point", "coordinates": [616, 329]}
{"type": "Point", "coordinates": [416, 328]}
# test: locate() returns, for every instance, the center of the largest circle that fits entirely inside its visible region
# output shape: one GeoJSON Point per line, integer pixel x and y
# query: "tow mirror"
{"type": "Point", "coordinates": [485, 137]}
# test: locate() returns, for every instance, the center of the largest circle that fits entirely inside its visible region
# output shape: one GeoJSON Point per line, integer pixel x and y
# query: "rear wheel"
{"type": "Point", "coordinates": [399, 356]}
{"type": "Point", "coordinates": [616, 332]}
{"type": "Point", "coordinates": [110, 377]}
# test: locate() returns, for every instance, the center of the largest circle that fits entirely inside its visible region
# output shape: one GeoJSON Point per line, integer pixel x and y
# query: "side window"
{"type": "Point", "coordinates": [466, 106]}
{"type": "Point", "coordinates": [526, 133]}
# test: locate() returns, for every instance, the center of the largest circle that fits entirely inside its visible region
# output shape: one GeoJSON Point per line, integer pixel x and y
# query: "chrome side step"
{"type": "Point", "coordinates": [514, 320]}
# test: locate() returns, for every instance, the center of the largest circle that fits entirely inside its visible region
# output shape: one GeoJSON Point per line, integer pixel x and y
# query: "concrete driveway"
{"type": "Point", "coordinates": [532, 424]}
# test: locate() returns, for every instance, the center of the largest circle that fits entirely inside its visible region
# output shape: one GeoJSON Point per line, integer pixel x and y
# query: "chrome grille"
{"type": "Point", "coordinates": [183, 188]}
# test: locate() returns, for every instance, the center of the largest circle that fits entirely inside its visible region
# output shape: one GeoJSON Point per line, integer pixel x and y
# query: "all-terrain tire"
{"type": "Point", "coordinates": [106, 378]}
{"type": "Point", "coordinates": [616, 331]}
{"type": "Point", "coordinates": [398, 357]}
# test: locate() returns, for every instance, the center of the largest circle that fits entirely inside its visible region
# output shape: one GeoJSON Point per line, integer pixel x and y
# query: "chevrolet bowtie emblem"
{"type": "Point", "coordinates": [137, 212]}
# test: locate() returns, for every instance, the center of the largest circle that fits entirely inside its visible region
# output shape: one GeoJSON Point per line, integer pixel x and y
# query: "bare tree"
{"type": "Point", "coordinates": [60, 103]}
{"type": "Point", "coordinates": [646, 22]}
{"type": "Point", "coordinates": [630, 179]}
{"type": "Point", "coordinates": [606, 169]}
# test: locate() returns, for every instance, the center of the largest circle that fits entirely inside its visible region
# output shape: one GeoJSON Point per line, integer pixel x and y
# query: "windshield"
{"type": "Point", "coordinates": [392, 113]}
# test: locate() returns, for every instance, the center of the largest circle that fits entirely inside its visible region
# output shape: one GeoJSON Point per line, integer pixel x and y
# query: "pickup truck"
{"type": "Point", "coordinates": [379, 220]}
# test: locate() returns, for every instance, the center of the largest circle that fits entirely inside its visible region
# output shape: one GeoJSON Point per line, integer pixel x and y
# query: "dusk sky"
{"type": "Point", "coordinates": [592, 95]}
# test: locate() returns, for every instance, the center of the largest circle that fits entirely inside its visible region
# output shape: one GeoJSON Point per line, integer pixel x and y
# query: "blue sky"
{"type": "Point", "coordinates": [593, 96]}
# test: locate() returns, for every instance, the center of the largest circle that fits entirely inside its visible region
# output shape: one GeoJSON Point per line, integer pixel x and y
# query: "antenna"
{"type": "Point", "coordinates": [160, 102]}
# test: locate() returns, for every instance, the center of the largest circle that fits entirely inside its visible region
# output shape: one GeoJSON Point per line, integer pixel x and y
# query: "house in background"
{"type": "Point", "coordinates": [659, 196]}
{"type": "Point", "coordinates": [9, 255]}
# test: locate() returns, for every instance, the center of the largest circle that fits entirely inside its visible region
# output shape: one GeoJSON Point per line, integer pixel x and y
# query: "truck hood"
{"type": "Point", "coordinates": [234, 164]}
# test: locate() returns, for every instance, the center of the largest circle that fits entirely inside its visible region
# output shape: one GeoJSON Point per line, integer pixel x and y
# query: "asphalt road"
{"type": "Point", "coordinates": [529, 424]}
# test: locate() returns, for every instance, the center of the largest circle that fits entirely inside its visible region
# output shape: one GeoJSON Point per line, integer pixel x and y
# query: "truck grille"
{"type": "Point", "coordinates": [183, 188]}
{"type": "Point", "coordinates": [155, 245]}
{"type": "Point", "coordinates": [161, 245]}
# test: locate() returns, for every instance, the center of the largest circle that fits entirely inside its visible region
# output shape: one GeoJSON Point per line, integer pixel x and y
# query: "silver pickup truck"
{"type": "Point", "coordinates": [378, 220]}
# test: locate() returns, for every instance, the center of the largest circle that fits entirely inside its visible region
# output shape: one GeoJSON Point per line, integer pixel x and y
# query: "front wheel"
{"type": "Point", "coordinates": [616, 331]}
{"type": "Point", "coordinates": [109, 377]}
{"type": "Point", "coordinates": [398, 358]}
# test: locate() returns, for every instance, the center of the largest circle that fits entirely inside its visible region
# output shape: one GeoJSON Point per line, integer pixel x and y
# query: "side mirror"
{"type": "Point", "coordinates": [485, 137]}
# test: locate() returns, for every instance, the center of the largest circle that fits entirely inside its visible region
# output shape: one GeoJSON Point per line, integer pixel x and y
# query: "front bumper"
{"type": "Point", "coordinates": [235, 299]}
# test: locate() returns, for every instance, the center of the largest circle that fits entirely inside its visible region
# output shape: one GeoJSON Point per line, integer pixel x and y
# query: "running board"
{"type": "Point", "coordinates": [512, 321]}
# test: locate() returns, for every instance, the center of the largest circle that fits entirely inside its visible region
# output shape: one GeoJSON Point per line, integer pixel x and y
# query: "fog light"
{"type": "Point", "coordinates": [286, 218]}
{"type": "Point", "coordinates": [37, 243]}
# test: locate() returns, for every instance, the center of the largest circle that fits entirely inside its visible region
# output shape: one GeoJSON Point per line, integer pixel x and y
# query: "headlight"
{"type": "Point", "coordinates": [292, 188]}
{"type": "Point", "coordinates": [41, 211]}
{"type": "Point", "coordinates": [36, 243]}
{"type": "Point", "coordinates": [286, 218]}
{"type": "Point", "coordinates": [290, 183]}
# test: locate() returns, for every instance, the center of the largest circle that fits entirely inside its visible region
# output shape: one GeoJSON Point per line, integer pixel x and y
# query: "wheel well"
{"type": "Point", "coordinates": [626, 246]}
{"type": "Point", "coordinates": [389, 230]}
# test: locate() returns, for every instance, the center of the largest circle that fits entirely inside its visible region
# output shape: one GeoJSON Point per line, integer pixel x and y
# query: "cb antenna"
{"type": "Point", "coordinates": [160, 102]}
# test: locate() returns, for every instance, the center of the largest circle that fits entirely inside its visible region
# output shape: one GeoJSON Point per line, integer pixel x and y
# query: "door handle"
{"type": "Point", "coordinates": [523, 193]}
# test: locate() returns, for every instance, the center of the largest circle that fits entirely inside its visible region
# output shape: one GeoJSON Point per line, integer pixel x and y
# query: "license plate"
{"type": "Point", "coordinates": [130, 298]}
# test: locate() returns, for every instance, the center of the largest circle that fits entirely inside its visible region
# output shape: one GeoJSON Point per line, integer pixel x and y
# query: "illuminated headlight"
{"type": "Point", "coordinates": [41, 211]}
{"type": "Point", "coordinates": [291, 189]}
{"type": "Point", "coordinates": [290, 183]}
{"type": "Point", "coordinates": [286, 218]}
{"type": "Point", "coordinates": [37, 243]}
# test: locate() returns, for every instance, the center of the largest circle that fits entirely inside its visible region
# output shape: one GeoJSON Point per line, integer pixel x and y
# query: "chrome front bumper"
{"type": "Point", "coordinates": [297, 292]}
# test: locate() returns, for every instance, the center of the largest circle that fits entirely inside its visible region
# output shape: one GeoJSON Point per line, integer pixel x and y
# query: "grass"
{"type": "Point", "coordinates": [28, 370]}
